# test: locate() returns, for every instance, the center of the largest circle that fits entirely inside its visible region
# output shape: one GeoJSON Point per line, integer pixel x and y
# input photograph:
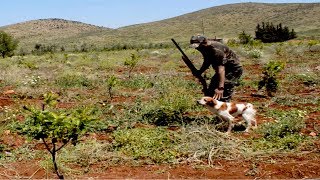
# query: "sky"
{"type": "Point", "coordinates": [110, 13]}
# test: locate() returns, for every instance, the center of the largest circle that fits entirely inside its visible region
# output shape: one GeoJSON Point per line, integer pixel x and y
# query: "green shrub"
{"type": "Point", "coordinates": [244, 38]}
{"type": "Point", "coordinates": [254, 53]}
{"type": "Point", "coordinates": [307, 79]}
{"type": "Point", "coordinates": [232, 43]}
{"type": "Point", "coordinates": [284, 133]}
{"type": "Point", "coordinates": [157, 145]}
{"type": "Point", "coordinates": [269, 79]}
{"type": "Point", "coordinates": [163, 117]}
{"type": "Point", "coordinates": [256, 44]}
{"type": "Point", "coordinates": [55, 129]}
{"type": "Point", "coordinates": [176, 93]}
{"type": "Point", "coordinates": [289, 142]}
{"type": "Point", "coordinates": [73, 80]}
{"type": "Point", "coordinates": [131, 62]}
{"type": "Point", "coordinates": [7, 45]}
{"type": "Point", "coordinates": [166, 116]}
{"type": "Point", "coordinates": [138, 82]}
{"type": "Point", "coordinates": [267, 33]}
{"type": "Point", "coordinates": [111, 83]}
{"type": "Point", "coordinates": [312, 43]}
{"type": "Point", "coordinates": [287, 122]}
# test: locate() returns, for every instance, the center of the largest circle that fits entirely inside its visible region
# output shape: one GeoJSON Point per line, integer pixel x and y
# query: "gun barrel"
{"type": "Point", "coordinates": [186, 59]}
{"type": "Point", "coordinates": [191, 67]}
{"type": "Point", "coordinates": [175, 43]}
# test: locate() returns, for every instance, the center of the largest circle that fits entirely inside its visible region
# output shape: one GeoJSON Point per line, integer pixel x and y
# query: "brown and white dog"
{"type": "Point", "coordinates": [228, 111]}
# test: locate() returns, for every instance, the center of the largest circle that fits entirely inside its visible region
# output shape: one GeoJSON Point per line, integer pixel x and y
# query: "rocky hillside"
{"type": "Point", "coordinates": [225, 21]}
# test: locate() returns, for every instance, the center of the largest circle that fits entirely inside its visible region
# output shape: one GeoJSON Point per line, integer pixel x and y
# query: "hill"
{"type": "Point", "coordinates": [228, 21]}
{"type": "Point", "coordinates": [51, 31]}
{"type": "Point", "coordinates": [225, 21]}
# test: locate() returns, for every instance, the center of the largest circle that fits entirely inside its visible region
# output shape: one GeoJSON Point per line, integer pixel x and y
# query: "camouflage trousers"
{"type": "Point", "coordinates": [231, 80]}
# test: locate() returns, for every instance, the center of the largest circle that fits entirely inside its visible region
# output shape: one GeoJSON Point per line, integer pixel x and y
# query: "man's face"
{"type": "Point", "coordinates": [196, 41]}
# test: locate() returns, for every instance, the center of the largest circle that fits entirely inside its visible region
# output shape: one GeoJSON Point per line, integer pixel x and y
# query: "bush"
{"type": "Point", "coordinates": [284, 133]}
{"type": "Point", "coordinates": [312, 43]}
{"type": "Point", "coordinates": [111, 83]}
{"type": "Point", "coordinates": [307, 79]}
{"type": "Point", "coordinates": [7, 44]}
{"type": "Point", "coordinates": [289, 142]}
{"type": "Point", "coordinates": [40, 49]}
{"type": "Point", "coordinates": [254, 53]}
{"type": "Point", "coordinates": [287, 122]}
{"type": "Point", "coordinates": [131, 62]}
{"type": "Point", "coordinates": [244, 38]}
{"type": "Point", "coordinates": [267, 33]}
{"type": "Point", "coordinates": [232, 43]}
{"type": "Point", "coordinates": [163, 117]}
{"type": "Point", "coordinates": [156, 145]}
{"type": "Point", "coordinates": [138, 82]}
{"type": "Point", "coordinates": [269, 79]}
{"type": "Point", "coordinates": [73, 80]}
{"type": "Point", "coordinates": [55, 129]}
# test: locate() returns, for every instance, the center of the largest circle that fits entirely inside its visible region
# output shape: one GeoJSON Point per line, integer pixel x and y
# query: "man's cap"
{"type": "Point", "coordinates": [195, 41]}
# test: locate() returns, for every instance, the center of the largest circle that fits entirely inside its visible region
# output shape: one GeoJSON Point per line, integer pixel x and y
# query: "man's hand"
{"type": "Point", "coordinates": [218, 94]}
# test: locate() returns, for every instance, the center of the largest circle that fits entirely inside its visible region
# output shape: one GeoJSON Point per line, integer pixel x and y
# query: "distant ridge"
{"type": "Point", "coordinates": [50, 31]}
{"type": "Point", "coordinates": [225, 21]}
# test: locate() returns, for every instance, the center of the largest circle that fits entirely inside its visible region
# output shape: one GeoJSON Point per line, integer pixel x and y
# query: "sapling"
{"type": "Point", "coordinates": [56, 129]}
{"type": "Point", "coordinates": [111, 83]}
{"type": "Point", "coordinates": [132, 62]}
{"type": "Point", "coordinates": [269, 78]}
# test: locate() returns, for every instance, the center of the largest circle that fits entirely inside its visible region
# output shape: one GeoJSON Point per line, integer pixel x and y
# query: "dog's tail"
{"type": "Point", "coordinates": [249, 109]}
{"type": "Point", "coordinates": [250, 113]}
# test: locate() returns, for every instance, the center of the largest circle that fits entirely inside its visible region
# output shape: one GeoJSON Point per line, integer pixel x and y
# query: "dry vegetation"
{"type": "Point", "coordinates": [148, 123]}
{"type": "Point", "coordinates": [152, 118]}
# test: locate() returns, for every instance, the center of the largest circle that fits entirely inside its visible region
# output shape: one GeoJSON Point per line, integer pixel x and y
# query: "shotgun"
{"type": "Point", "coordinates": [191, 67]}
{"type": "Point", "coordinates": [185, 59]}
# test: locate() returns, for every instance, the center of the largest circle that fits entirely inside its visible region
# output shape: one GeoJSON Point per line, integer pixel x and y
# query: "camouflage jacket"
{"type": "Point", "coordinates": [217, 54]}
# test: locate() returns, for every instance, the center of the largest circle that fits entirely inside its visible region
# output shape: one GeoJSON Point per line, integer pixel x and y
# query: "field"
{"type": "Point", "coordinates": [148, 123]}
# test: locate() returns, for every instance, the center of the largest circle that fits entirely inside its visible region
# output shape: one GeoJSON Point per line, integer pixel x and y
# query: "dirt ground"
{"type": "Point", "coordinates": [293, 166]}
{"type": "Point", "coordinates": [299, 166]}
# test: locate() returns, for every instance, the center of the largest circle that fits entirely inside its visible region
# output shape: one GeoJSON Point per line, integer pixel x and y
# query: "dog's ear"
{"type": "Point", "coordinates": [210, 102]}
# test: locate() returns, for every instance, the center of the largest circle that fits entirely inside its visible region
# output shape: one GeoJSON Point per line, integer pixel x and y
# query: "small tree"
{"type": "Point", "coordinates": [131, 62]}
{"type": "Point", "coordinates": [269, 78]}
{"type": "Point", "coordinates": [111, 83]}
{"type": "Point", "coordinates": [244, 38]}
{"type": "Point", "coordinates": [7, 44]}
{"type": "Point", "coordinates": [55, 129]}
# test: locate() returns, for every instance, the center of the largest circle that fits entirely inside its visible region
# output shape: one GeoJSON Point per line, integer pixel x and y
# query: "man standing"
{"type": "Point", "coordinates": [225, 63]}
